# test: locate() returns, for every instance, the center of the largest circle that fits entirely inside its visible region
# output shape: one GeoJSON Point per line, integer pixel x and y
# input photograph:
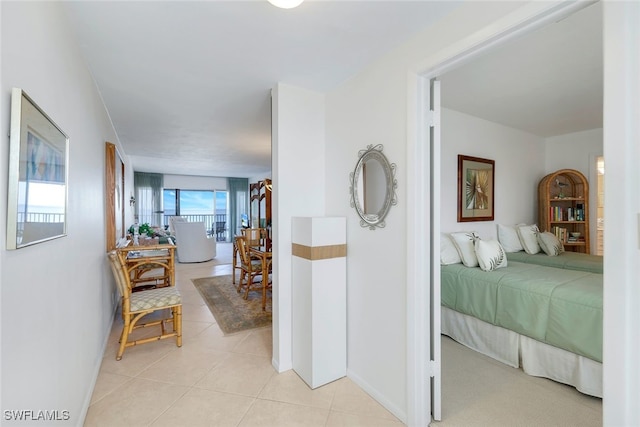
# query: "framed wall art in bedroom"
{"type": "Point", "coordinates": [476, 179]}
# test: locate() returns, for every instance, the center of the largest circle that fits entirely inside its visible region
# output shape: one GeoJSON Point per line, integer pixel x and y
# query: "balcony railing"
{"type": "Point", "coordinates": [216, 224]}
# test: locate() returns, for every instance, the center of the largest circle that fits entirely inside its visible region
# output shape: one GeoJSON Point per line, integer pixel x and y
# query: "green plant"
{"type": "Point", "coordinates": [143, 228]}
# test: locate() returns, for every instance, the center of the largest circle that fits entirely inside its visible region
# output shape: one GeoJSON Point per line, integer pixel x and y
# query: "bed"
{"type": "Point", "coordinates": [547, 320]}
{"type": "Point", "coordinates": [566, 260]}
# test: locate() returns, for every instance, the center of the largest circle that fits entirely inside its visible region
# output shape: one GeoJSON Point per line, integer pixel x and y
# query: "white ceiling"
{"type": "Point", "coordinates": [187, 84]}
{"type": "Point", "coordinates": [547, 83]}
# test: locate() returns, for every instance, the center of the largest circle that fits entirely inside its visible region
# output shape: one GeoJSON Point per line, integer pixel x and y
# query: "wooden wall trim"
{"type": "Point", "coordinates": [110, 190]}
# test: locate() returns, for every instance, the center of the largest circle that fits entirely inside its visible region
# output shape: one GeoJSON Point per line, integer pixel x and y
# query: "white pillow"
{"type": "Point", "coordinates": [508, 238]}
{"type": "Point", "coordinates": [529, 238]}
{"type": "Point", "coordinates": [448, 252]}
{"type": "Point", "coordinates": [464, 242]}
{"type": "Point", "coordinates": [550, 244]}
{"type": "Point", "coordinates": [491, 254]}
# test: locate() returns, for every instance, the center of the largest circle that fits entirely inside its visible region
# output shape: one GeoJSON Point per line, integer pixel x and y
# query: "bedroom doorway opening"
{"type": "Point", "coordinates": [438, 71]}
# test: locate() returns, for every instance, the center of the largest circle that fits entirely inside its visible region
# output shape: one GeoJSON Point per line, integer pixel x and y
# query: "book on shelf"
{"type": "Point", "coordinates": [561, 233]}
{"type": "Point", "coordinates": [557, 213]}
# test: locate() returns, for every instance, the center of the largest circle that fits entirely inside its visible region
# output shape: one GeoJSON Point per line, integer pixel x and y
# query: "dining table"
{"type": "Point", "coordinates": [264, 253]}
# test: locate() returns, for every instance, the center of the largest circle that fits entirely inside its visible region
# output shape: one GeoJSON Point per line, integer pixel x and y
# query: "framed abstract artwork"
{"type": "Point", "coordinates": [475, 189]}
{"type": "Point", "coordinates": [38, 175]}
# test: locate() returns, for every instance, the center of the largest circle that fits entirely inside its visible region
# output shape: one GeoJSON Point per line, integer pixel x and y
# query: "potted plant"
{"type": "Point", "coordinates": [143, 228]}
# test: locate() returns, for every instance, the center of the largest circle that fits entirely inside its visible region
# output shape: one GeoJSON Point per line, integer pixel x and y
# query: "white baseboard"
{"type": "Point", "coordinates": [401, 413]}
{"type": "Point", "coordinates": [96, 370]}
{"type": "Point", "coordinates": [281, 368]}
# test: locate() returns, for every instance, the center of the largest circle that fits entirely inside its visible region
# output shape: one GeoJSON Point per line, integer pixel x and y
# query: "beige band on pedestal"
{"type": "Point", "coordinates": [314, 253]}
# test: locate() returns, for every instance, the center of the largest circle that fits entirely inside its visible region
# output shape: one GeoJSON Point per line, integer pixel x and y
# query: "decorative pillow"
{"type": "Point", "coordinates": [529, 238]}
{"type": "Point", "coordinates": [508, 238]}
{"type": "Point", "coordinates": [491, 254]}
{"type": "Point", "coordinates": [448, 252]}
{"type": "Point", "coordinates": [550, 244]}
{"type": "Point", "coordinates": [464, 242]}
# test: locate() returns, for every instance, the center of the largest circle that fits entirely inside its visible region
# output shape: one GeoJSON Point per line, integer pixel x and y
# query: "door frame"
{"type": "Point", "coordinates": [524, 20]}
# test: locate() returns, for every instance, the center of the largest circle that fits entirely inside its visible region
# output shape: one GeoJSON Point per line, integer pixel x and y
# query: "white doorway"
{"type": "Point", "coordinates": [501, 37]}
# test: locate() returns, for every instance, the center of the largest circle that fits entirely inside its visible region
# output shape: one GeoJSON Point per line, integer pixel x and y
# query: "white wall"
{"type": "Point", "coordinates": [188, 182]}
{"type": "Point", "coordinates": [259, 178]}
{"type": "Point", "coordinates": [621, 369]}
{"type": "Point", "coordinates": [371, 108]}
{"type": "Point", "coordinates": [298, 154]}
{"type": "Point", "coordinates": [574, 151]}
{"type": "Point", "coordinates": [519, 166]}
{"type": "Point", "coordinates": [57, 296]}
{"type": "Point", "coordinates": [578, 151]}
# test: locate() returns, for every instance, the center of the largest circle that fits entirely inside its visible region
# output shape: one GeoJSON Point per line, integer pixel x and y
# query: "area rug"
{"type": "Point", "coordinates": [232, 312]}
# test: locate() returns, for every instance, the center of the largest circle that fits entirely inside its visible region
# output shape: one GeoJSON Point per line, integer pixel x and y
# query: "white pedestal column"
{"type": "Point", "coordinates": [319, 292]}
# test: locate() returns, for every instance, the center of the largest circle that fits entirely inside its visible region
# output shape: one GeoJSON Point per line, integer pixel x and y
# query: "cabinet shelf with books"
{"type": "Point", "coordinates": [564, 208]}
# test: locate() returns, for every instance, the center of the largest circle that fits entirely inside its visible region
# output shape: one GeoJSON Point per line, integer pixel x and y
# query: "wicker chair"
{"type": "Point", "coordinates": [250, 266]}
{"type": "Point", "coordinates": [137, 305]}
{"type": "Point", "coordinates": [255, 236]}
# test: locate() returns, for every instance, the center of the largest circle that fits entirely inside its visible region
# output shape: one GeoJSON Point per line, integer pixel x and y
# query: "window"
{"type": "Point", "coordinates": [207, 206]}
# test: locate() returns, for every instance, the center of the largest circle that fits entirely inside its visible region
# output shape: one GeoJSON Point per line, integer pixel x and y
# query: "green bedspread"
{"type": "Point", "coordinates": [566, 260]}
{"type": "Point", "coordinates": [559, 307]}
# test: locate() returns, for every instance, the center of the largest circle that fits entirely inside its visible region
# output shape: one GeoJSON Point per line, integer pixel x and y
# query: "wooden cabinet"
{"type": "Point", "coordinates": [563, 202]}
{"type": "Point", "coordinates": [260, 204]}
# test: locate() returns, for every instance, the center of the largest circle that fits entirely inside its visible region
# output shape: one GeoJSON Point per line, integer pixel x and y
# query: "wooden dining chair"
{"type": "Point", "coordinates": [254, 236]}
{"type": "Point", "coordinates": [137, 305]}
{"type": "Point", "coordinates": [250, 265]}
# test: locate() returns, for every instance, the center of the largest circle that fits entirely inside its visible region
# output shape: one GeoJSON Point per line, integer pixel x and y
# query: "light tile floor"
{"type": "Point", "coordinates": [213, 380]}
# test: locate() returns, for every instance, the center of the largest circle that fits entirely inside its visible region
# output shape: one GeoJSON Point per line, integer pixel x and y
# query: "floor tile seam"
{"type": "Point", "coordinates": [241, 341]}
{"type": "Point", "coordinates": [249, 408]}
{"type": "Point", "coordinates": [197, 321]}
{"type": "Point", "coordinates": [218, 390]}
{"type": "Point", "coordinates": [196, 381]}
{"type": "Point", "coordinates": [389, 416]}
{"type": "Point", "coordinates": [271, 399]}
{"type": "Point", "coordinates": [326, 419]}
{"type": "Point", "coordinates": [154, 380]}
{"type": "Point", "coordinates": [221, 353]}
{"type": "Point", "coordinates": [263, 356]}
{"type": "Point", "coordinates": [268, 380]}
{"type": "Point", "coordinates": [214, 366]}
{"type": "Point", "coordinates": [207, 328]}
{"type": "Point", "coordinates": [245, 353]}
{"type": "Point", "coordinates": [298, 405]}
{"type": "Point", "coordinates": [333, 398]}
{"type": "Point", "coordinates": [152, 364]}
{"type": "Point", "coordinates": [171, 405]}
{"type": "Point", "coordinates": [251, 332]}
{"type": "Point", "coordinates": [129, 379]}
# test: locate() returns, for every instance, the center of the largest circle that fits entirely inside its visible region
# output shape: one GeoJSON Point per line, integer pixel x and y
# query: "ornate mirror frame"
{"type": "Point", "coordinates": [358, 187]}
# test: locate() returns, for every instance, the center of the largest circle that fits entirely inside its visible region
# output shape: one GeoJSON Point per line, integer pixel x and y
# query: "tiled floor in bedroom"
{"type": "Point", "coordinates": [213, 380]}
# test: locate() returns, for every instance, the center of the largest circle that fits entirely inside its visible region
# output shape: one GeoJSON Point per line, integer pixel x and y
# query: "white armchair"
{"type": "Point", "coordinates": [173, 220]}
{"type": "Point", "coordinates": [192, 242]}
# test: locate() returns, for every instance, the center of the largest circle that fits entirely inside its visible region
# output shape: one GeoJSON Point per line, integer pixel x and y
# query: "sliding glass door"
{"type": "Point", "coordinates": [208, 206]}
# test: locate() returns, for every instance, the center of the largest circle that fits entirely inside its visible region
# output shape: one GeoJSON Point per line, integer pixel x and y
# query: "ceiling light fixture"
{"type": "Point", "coordinates": [286, 4]}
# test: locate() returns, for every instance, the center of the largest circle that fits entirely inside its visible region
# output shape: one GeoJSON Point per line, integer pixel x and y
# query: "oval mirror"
{"type": "Point", "coordinates": [373, 187]}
